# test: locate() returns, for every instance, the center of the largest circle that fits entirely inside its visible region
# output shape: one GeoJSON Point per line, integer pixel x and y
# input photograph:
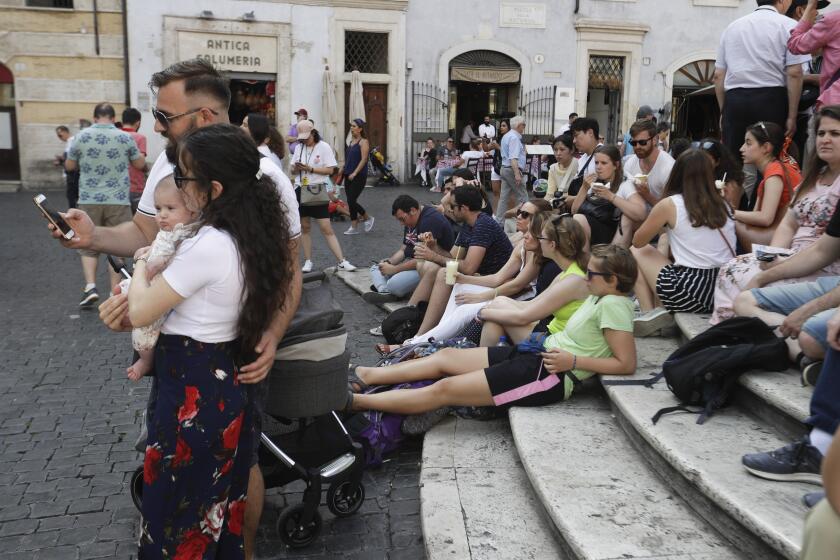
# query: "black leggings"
{"type": "Point", "coordinates": [354, 188]}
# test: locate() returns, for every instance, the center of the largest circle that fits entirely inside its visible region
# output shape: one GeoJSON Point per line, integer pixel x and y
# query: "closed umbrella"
{"type": "Point", "coordinates": [329, 111]}
{"type": "Point", "coordinates": [356, 110]}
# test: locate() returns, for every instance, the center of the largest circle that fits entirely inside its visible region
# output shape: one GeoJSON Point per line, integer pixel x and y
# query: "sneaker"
{"type": "Point", "coordinates": [351, 231]}
{"type": "Point", "coordinates": [795, 462]}
{"type": "Point", "coordinates": [376, 331]}
{"type": "Point", "coordinates": [435, 189]}
{"type": "Point", "coordinates": [307, 266]}
{"type": "Point", "coordinates": [89, 297]}
{"type": "Point", "coordinates": [812, 498]}
{"type": "Point", "coordinates": [378, 297]}
{"type": "Point", "coordinates": [369, 224]}
{"type": "Point", "coordinates": [811, 372]}
{"type": "Point", "coordinates": [652, 322]}
{"type": "Point", "coordinates": [346, 266]}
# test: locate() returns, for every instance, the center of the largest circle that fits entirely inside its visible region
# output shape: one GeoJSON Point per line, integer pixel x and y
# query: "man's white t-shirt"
{"type": "Point", "coordinates": [163, 168]}
{"type": "Point", "coordinates": [658, 176]}
{"type": "Point", "coordinates": [206, 272]}
{"type": "Point", "coordinates": [319, 155]}
{"type": "Point", "coordinates": [487, 131]}
{"type": "Point", "coordinates": [590, 167]}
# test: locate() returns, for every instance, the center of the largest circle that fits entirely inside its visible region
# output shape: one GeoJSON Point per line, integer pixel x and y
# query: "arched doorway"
{"type": "Point", "coordinates": [482, 82]}
{"type": "Point", "coordinates": [9, 153]}
{"type": "Point", "coordinates": [695, 112]}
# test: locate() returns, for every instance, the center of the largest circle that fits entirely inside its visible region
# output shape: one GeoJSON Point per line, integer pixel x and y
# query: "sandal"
{"type": "Point", "coordinates": [384, 349]}
{"type": "Point", "coordinates": [354, 382]}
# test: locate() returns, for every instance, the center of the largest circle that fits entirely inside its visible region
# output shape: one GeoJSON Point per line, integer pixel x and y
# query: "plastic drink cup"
{"type": "Point", "coordinates": [640, 179]}
{"type": "Point", "coordinates": [592, 192]}
{"type": "Point", "coordinates": [451, 271]}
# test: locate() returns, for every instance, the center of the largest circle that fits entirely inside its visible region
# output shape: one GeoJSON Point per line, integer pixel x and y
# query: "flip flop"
{"type": "Point", "coordinates": [354, 383]}
{"type": "Point", "coordinates": [384, 349]}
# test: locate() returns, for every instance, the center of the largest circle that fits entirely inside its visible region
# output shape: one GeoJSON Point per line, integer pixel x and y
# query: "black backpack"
{"type": "Point", "coordinates": [703, 372]}
{"type": "Point", "coordinates": [403, 323]}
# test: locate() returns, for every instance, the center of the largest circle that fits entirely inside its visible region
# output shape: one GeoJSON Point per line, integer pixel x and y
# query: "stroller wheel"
{"type": "Point", "coordinates": [136, 488]}
{"type": "Point", "coordinates": [290, 530]}
{"type": "Point", "coordinates": [345, 498]}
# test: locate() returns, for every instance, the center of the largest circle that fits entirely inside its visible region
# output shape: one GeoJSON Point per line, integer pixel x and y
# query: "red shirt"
{"type": "Point", "coordinates": [137, 176]}
{"type": "Point", "coordinates": [791, 178]}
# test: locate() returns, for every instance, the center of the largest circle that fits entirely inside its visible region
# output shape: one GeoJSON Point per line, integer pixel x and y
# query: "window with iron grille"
{"type": "Point", "coordinates": [68, 4]}
{"type": "Point", "coordinates": [366, 52]}
{"type": "Point", "coordinates": [606, 72]}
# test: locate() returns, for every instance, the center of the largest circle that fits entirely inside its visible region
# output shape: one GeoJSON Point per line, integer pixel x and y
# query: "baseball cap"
{"type": "Point", "coordinates": [797, 3]}
{"type": "Point", "coordinates": [302, 111]}
{"type": "Point", "coordinates": [304, 129]}
{"type": "Point", "coordinates": [644, 111]}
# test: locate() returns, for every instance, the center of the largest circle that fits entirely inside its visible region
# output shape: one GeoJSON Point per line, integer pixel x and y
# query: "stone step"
{"type": "Point", "coordinates": [602, 496]}
{"type": "Point", "coordinates": [776, 397]}
{"type": "Point", "coordinates": [476, 501]}
{"type": "Point", "coordinates": [702, 463]}
{"type": "Point", "coordinates": [359, 280]}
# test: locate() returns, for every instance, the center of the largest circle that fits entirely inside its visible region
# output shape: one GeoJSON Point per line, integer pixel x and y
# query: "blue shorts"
{"type": "Point", "coordinates": [790, 297]}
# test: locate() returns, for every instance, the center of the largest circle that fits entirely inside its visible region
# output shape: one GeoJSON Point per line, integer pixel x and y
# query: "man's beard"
{"type": "Point", "coordinates": [172, 143]}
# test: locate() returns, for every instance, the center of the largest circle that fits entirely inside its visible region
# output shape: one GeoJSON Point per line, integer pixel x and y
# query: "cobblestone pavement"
{"type": "Point", "coordinates": [69, 417]}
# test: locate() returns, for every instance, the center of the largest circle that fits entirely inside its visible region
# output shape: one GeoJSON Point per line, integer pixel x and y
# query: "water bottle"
{"type": "Point", "coordinates": [503, 341]}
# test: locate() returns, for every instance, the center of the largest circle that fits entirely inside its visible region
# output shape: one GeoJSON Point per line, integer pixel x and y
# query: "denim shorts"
{"type": "Point", "coordinates": [788, 298]}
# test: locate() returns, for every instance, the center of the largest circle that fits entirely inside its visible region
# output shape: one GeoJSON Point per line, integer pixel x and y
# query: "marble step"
{"type": "Point", "coordinates": [602, 496]}
{"type": "Point", "coordinates": [702, 463]}
{"type": "Point", "coordinates": [776, 397]}
{"type": "Point", "coordinates": [359, 280]}
{"type": "Point", "coordinates": [476, 501]}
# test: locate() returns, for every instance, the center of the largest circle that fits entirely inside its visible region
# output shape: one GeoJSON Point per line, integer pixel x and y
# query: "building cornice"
{"type": "Point", "coordinates": [623, 27]}
{"type": "Point", "coordinates": [397, 5]}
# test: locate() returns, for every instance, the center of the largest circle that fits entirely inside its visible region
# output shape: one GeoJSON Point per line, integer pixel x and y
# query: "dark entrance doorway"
{"type": "Point", "coordinates": [482, 83]}
{"type": "Point", "coordinates": [376, 109]}
{"type": "Point", "coordinates": [9, 150]}
{"type": "Point", "coordinates": [251, 94]}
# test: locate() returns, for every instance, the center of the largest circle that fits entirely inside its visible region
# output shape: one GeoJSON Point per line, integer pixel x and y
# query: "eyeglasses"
{"type": "Point", "coordinates": [523, 214]}
{"type": "Point", "coordinates": [590, 274]}
{"type": "Point", "coordinates": [166, 120]}
{"type": "Point", "coordinates": [179, 178]}
{"type": "Point", "coordinates": [642, 142]}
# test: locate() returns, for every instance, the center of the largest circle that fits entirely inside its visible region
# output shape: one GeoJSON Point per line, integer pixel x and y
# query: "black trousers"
{"type": "Point", "coordinates": [743, 107]}
{"type": "Point", "coordinates": [72, 183]}
{"type": "Point", "coordinates": [354, 189]}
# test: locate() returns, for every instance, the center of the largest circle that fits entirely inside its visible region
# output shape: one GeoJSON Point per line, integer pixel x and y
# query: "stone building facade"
{"type": "Point", "coordinates": [58, 58]}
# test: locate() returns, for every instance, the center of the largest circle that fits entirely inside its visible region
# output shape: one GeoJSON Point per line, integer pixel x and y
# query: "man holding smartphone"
{"type": "Point", "coordinates": [189, 95]}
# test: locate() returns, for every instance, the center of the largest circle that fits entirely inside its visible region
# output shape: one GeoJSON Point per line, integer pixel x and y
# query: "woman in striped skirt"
{"type": "Point", "coordinates": [702, 236]}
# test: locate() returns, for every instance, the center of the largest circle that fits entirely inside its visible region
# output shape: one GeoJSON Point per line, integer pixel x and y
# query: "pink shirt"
{"type": "Point", "coordinates": [825, 34]}
{"type": "Point", "coordinates": [136, 176]}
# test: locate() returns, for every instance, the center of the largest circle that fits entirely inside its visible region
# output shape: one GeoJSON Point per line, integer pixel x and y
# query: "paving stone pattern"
{"type": "Point", "coordinates": [69, 416]}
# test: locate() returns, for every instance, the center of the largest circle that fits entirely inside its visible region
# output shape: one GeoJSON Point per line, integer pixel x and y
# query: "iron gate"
{"type": "Point", "coordinates": [607, 73]}
{"type": "Point", "coordinates": [537, 106]}
{"type": "Point", "coordinates": [429, 119]}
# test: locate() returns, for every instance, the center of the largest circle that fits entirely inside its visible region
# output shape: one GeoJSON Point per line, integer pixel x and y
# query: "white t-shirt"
{"type": "Point", "coordinates": [266, 151]}
{"type": "Point", "coordinates": [626, 190]}
{"type": "Point", "coordinates": [753, 50]}
{"type": "Point", "coordinates": [487, 131]}
{"type": "Point", "coordinates": [471, 155]}
{"type": "Point", "coordinates": [205, 271]}
{"type": "Point", "coordinates": [590, 168]}
{"type": "Point", "coordinates": [319, 155]}
{"type": "Point", "coordinates": [658, 176]}
{"type": "Point", "coordinates": [163, 168]}
{"type": "Point", "coordinates": [700, 247]}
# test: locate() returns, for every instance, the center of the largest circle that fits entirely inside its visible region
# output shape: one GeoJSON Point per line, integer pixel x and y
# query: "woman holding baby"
{"type": "Point", "coordinates": [216, 295]}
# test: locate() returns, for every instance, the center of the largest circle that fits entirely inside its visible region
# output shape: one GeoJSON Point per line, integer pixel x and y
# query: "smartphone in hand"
{"type": "Point", "coordinates": [53, 217]}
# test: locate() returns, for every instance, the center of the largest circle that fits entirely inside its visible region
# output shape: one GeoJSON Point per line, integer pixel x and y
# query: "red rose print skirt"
{"type": "Point", "coordinates": [195, 473]}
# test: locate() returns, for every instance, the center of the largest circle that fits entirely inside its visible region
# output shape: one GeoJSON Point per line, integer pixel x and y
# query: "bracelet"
{"type": "Point", "coordinates": [141, 259]}
{"type": "Point", "coordinates": [574, 362]}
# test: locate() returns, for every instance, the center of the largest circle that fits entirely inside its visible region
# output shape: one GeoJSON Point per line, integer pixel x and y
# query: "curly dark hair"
{"type": "Point", "coordinates": [251, 211]}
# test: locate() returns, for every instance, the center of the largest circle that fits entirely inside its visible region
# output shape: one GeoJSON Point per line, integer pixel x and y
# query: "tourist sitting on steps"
{"type": "Point", "coordinates": [598, 339]}
{"type": "Point", "coordinates": [702, 238]}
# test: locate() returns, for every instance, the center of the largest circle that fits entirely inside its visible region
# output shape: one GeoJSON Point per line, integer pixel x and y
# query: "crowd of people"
{"type": "Point", "coordinates": [552, 286]}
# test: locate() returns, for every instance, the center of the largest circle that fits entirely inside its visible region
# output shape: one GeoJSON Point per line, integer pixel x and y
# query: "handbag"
{"type": "Point", "coordinates": [314, 194]}
{"type": "Point", "coordinates": [600, 209]}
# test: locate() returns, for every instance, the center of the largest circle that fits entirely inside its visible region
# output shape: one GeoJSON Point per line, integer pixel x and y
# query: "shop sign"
{"type": "Point", "coordinates": [528, 15]}
{"type": "Point", "coordinates": [233, 53]}
{"type": "Point", "coordinates": [485, 75]}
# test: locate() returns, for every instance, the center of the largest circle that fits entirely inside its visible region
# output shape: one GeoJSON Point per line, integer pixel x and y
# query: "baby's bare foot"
{"type": "Point", "coordinates": [139, 369]}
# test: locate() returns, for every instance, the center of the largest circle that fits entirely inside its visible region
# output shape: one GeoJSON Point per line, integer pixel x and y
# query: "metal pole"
{"type": "Point", "coordinates": [126, 58]}
{"type": "Point", "coordinates": [96, 25]}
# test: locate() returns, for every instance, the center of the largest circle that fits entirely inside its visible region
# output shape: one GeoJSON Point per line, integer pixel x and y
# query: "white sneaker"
{"type": "Point", "coordinates": [376, 331]}
{"type": "Point", "coordinates": [307, 266]}
{"type": "Point", "coordinates": [351, 231]}
{"type": "Point", "coordinates": [346, 266]}
{"type": "Point", "coordinates": [652, 322]}
{"type": "Point", "coordinates": [369, 224]}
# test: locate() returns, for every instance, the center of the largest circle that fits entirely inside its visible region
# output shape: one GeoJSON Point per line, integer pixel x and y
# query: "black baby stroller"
{"type": "Point", "coordinates": [307, 383]}
{"type": "Point", "coordinates": [386, 173]}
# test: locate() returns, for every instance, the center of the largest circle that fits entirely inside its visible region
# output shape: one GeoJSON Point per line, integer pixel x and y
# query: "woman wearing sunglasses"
{"type": "Point", "coordinates": [598, 339]}
{"type": "Point", "coordinates": [516, 279]}
{"type": "Point", "coordinates": [701, 234]}
{"type": "Point", "coordinates": [765, 146]}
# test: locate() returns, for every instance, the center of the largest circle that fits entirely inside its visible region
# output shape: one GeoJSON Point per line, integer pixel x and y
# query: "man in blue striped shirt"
{"type": "Point", "coordinates": [513, 167]}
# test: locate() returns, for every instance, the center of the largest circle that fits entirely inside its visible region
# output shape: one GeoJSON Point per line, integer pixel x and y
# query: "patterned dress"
{"type": "Point", "coordinates": [195, 472]}
{"type": "Point", "coordinates": [813, 212]}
